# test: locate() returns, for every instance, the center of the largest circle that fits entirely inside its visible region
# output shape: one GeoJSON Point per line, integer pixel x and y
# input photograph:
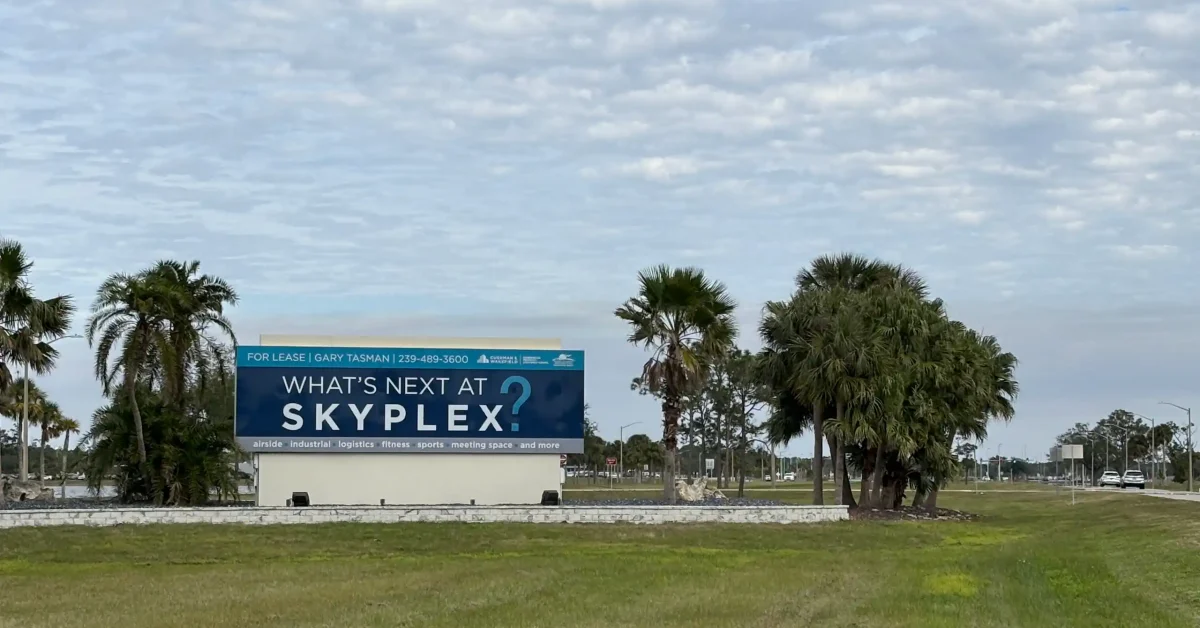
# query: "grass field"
{"type": "Point", "coordinates": [1032, 560]}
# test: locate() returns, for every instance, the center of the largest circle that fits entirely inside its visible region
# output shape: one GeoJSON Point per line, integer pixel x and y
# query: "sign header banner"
{"type": "Point", "coordinates": [325, 399]}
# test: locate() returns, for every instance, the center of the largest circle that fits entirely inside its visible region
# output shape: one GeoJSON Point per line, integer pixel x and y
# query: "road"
{"type": "Point", "coordinates": [1180, 495]}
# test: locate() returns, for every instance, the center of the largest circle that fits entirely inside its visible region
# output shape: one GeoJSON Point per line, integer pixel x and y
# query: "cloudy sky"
{"type": "Point", "coordinates": [505, 167]}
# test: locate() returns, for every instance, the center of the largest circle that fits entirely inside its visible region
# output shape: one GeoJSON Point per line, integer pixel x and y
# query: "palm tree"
{"type": "Point", "coordinates": [27, 327]}
{"type": "Point", "coordinates": [129, 309]}
{"type": "Point", "coordinates": [686, 320]}
{"type": "Point", "coordinates": [857, 345]}
{"type": "Point", "coordinates": [193, 304]}
{"type": "Point", "coordinates": [13, 404]}
{"type": "Point", "coordinates": [49, 417]}
{"type": "Point", "coordinates": [66, 426]}
{"type": "Point", "coordinates": [191, 457]}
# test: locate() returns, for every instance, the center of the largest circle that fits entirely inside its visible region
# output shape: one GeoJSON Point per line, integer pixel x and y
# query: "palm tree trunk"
{"type": "Point", "coordinates": [837, 468]}
{"type": "Point", "coordinates": [864, 487]}
{"type": "Point", "coordinates": [931, 501]}
{"type": "Point", "coordinates": [131, 385]}
{"type": "Point", "coordinates": [66, 452]}
{"type": "Point", "coordinates": [672, 409]}
{"type": "Point", "coordinates": [841, 477]}
{"type": "Point", "coordinates": [818, 454]}
{"type": "Point", "coordinates": [876, 496]}
{"type": "Point", "coordinates": [42, 456]}
{"type": "Point", "coordinates": [137, 424]}
{"type": "Point", "coordinates": [180, 368]}
{"type": "Point", "coordinates": [23, 456]}
{"type": "Point", "coordinates": [741, 471]}
{"type": "Point", "coordinates": [847, 492]}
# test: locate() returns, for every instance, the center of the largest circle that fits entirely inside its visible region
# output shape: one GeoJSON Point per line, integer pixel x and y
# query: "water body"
{"type": "Point", "coordinates": [75, 492]}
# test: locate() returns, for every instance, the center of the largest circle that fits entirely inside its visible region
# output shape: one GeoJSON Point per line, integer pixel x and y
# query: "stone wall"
{"type": "Point", "coordinates": [397, 514]}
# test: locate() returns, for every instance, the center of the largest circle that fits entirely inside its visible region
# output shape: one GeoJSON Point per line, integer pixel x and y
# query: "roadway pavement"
{"type": "Point", "coordinates": [1152, 492]}
{"type": "Point", "coordinates": [1179, 495]}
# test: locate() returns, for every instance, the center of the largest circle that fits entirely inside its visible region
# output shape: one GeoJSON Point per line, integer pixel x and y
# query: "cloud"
{"type": "Point", "coordinates": [419, 160]}
{"type": "Point", "coordinates": [662, 168]}
{"type": "Point", "coordinates": [1145, 251]}
{"type": "Point", "coordinates": [765, 62]}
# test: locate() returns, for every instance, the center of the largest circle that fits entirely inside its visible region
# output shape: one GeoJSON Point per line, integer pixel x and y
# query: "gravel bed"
{"type": "Point", "coordinates": [649, 501]}
{"type": "Point", "coordinates": [909, 513]}
{"type": "Point", "coordinates": [95, 503]}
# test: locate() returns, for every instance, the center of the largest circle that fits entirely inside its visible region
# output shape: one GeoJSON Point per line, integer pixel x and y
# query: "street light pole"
{"type": "Point", "coordinates": [621, 449]}
{"type": "Point", "coordinates": [1092, 443]}
{"type": "Point", "coordinates": [1189, 438]}
{"type": "Point", "coordinates": [23, 455]}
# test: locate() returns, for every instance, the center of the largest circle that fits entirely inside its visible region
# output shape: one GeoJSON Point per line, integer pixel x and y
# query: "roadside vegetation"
{"type": "Point", "coordinates": [860, 355]}
{"type": "Point", "coordinates": [1032, 559]}
{"type": "Point", "coordinates": [162, 349]}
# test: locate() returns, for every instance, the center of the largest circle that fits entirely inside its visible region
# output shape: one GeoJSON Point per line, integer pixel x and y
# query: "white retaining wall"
{"type": "Point", "coordinates": [438, 514]}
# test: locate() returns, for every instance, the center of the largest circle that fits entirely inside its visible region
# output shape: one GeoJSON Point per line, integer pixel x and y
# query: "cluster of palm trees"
{"type": "Point", "coordinates": [28, 328]}
{"type": "Point", "coordinates": [859, 355]}
{"type": "Point", "coordinates": [46, 415]}
{"type": "Point", "coordinates": [162, 344]}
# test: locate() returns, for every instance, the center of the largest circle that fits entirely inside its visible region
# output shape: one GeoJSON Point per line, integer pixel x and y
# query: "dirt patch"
{"type": "Point", "coordinates": [908, 513]}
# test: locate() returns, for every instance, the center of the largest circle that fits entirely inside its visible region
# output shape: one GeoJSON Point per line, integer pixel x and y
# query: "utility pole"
{"type": "Point", "coordinates": [1093, 467]}
{"type": "Point", "coordinates": [1189, 439]}
{"type": "Point", "coordinates": [1153, 449]}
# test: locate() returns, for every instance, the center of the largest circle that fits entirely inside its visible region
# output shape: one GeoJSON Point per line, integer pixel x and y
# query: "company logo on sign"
{"type": "Point", "coordinates": [564, 360]}
{"type": "Point", "coordinates": [483, 359]}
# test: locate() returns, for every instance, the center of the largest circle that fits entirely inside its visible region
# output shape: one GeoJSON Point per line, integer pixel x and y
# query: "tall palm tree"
{"type": "Point", "coordinates": [686, 320]}
{"type": "Point", "coordinates": [128, 310]}
{"type": "Point", "coordinates": [66, 426]}
{"type": "Point", "coordinates": [843, 278]}
{"type": "Point", "coordinates": [977, 385]}
{"type": "Point", "coordinates": [785, 363]}
{"type": "Point", "coordinates": [27, 327]}
{"type": "Point", "coordinates": [193, 305]}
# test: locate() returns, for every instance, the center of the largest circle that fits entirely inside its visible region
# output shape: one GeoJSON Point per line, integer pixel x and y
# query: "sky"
{"type": "Point", "coordinates": [506, 167]}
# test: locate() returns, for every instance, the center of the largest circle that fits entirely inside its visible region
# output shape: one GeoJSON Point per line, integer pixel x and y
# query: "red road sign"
{"type": "Point", "coordinates": [612, 462]}
{"type": "Point", "coordinates": [562, 460]}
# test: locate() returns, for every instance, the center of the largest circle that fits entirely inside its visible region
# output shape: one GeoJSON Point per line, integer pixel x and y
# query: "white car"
{"type": "Point", "coordinates": [1133, 477]}
{"type": "Point", "coordinates": [1110, 478]}
{"type": "Point", "coordinates": [789, 477]}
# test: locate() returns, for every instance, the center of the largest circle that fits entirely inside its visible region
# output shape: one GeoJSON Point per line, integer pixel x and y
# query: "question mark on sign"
{"type": "Point", "coordinates": [516, 409]}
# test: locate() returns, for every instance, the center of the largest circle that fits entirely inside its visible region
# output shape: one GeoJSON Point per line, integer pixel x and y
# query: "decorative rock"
{"type": "Point", "coordinates": [18, 491]}
{"type": "Point", "coordinates": [697, 491]}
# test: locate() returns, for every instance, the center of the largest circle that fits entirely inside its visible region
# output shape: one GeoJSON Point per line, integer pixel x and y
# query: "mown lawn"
{"type": "Point", "coordinates": [1033, 560]}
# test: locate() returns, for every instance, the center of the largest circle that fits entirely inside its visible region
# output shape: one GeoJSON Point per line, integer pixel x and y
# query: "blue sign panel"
{"type": "Point", "coordinates": [409, 400]}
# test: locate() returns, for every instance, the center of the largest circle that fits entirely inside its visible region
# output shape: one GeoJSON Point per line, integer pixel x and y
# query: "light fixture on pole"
{"type": "Point", "coordinates": [1189, 438]}
{"type": "Point", "coordinates": [23, 457]}
{"type": "Point", "coordinates": [1125, 444]}
{"type": "Point", "coordinates": [1092, 469]}
{"type": "Point", "coordinates": [621, 449]}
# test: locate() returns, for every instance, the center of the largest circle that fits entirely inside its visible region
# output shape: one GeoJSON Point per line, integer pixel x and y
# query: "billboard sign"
{"type": "Point", "coordinates": [385, 400]}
